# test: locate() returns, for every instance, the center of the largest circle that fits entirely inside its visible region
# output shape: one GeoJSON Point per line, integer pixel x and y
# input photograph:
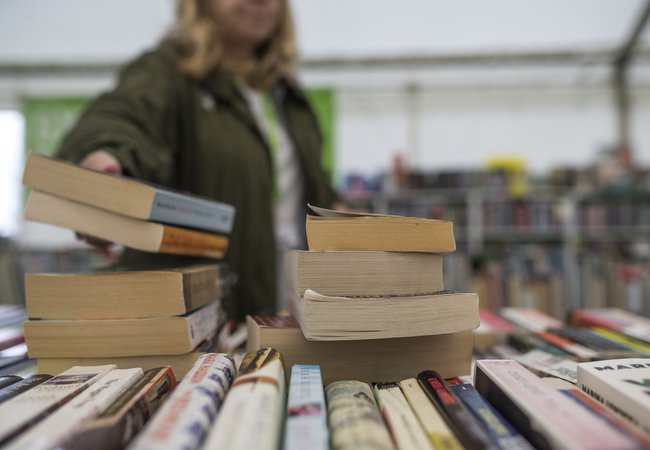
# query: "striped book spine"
{"type": "Point", "coordinates": [306, 424]}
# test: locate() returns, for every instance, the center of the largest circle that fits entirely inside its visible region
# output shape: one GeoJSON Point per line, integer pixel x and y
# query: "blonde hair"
{"type": "Point", "coordinates": [201, 51]}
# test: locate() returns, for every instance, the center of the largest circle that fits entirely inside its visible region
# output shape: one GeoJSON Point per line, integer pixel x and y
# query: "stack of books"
{"type": "Point", "coordinates": [134, 316]}
{"type": "Point", "coordinates": [368, 300]}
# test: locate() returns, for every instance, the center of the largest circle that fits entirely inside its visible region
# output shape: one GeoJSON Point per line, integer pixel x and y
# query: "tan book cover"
{"type": "Point", "coordinates": [334, 230]}
{"type": "Point", "coordinates": [122, 294]}
{"type": "Point", "coordinates": [366, 360]}
{"type": "Point", "coordinates": [134, 233]}
{"type": "Point", "coordinates": [364, 273]}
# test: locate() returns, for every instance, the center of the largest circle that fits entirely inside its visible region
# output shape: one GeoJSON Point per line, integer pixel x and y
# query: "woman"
{"type": "Point", "coordinates": [215, 110]}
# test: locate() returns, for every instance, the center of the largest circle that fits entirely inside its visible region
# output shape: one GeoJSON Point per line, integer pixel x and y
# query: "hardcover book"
{"type": "Point", "coordinates": [623, 385]}
{"type": "Point", "coordinates": [126, 196]}
{"type": "Point", "coordinates": [123, 294]}
{"type": "Point", "coordinates": [368, 273]}
{"type": "Point", "coordinates": [321, 318]}
{"type": "Point", "coordinates": [334, 230]}
{"type": "Point", "coordinates": [366, 360]}
{"type": "Point", "coordinates": [120, 337]}
{"type": "Point", "coordinates": [134, 233]}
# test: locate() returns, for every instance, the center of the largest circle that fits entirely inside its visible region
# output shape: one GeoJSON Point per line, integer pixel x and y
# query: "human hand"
{"type": "Point", "coordinates": [101, 161]}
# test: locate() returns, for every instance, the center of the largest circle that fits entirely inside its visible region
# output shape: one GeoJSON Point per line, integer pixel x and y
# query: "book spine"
{"type": "Point", "coordinates": [24, 385]}
{"type": "Point", "coordinates": [500, 430]}
{"type": "Point", "coordinates": [614, 336]}
{"type": "Point", "coordinates": [58, 426]}
{"type": "Point", "coordinates": [546, 364]}
{"type": "Point", "coordinates": [399, 417]}
{"type": "Point", "coordinates": [458, 418]}
{"type": "Point", "coordinates": [520, 396]}
{"type": "Point", "coordinates": [185, 418]}
{"type": "Point", "coordinates": [579, 351]}
{"type": "Point", "coordinates": [439, 433]}
{"type": "Point", "coordinates": [8, 380]}
{"type": "Point", "coordinates": [306, 424]}
{"type": "Point", "coordinates": [202, 323]}
{"type": "Point", "coordinates": [126, 417]}
{"type": "Point", "coordinates": [21, 412]}
{"type": "Point", "coordinates": [174, 208]}
{"type": "Point", "coordinates": [179, 241]}
{"type": "Point", "coordinates": [355, 420]}
{"type": "Point", "coordinates": [254, 408]}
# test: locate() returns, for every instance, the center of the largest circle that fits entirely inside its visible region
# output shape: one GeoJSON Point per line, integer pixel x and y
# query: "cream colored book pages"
{"type": "Point", "coordinates": [71, 417]}
{"type": "Point", "coordinates": [432, 422]}
{"type": "Point", "coordinates": [402, 423]}
{"type": "Point", "coordinates": [355, 420]}
{"type": "Point", "coordinates": [29, 407]}
{"type": "Point", "coordinates": [185, 418]}
{"type": "Point", "coordinates": [253, 412]}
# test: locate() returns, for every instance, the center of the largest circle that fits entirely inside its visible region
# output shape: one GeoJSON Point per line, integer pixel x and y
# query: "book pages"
{"type": "Point", "coordinates": [54, 429]}
{"type": "Point", "coordinates": [26, 409]}
{"type": "Point", "coordinates": [184, 419]}
{"type": "Point", "coordinates": [402, 423]}
{"type": "Point", "coordinates": [306, 424]}
{"type": "Point", "coordinates": [355, 421]}
{"type": "Point", "coordinates": [254, 408]}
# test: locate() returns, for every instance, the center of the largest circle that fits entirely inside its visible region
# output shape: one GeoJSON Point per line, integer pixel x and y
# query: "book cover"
{"type": "Point", "coordinates": [134, 233]}
{"type": "Point", "coordinates": [320, 316]}
{"type": "Point", "coordinates": [184, 419]}
{"type": "Point", "coordinates": [530, 319]}
{"type": "Point", "coordinates": [126, 196]}
{"type": "Point", "coordinates": [306, 424]}
{"type": "Point", "coordinates": [334, 230]}
{"type": "Point", "coordinates": [9, 392]}
{"type": "Point", "coordinates": [127, 416]}
{"type": "Point", "coordinates": [545, 364]}
{"type": "Point", "coordinates": [364, 360]}
{"type": "Point", "coordinates": [120, 337]}
{"type": "Point", "coordinates": [430, 418]}
{"type": "Point", "coordinates": [623, 385]}
{"type": "Point", "coordinates": [399, 418]}
{"type": "Point", "coordinates": [125, 293]}
{"type": "Point", "coordinates": [354, 418]}
{"type": "Point", "coordinates": [253, 411]}
{"type": "Point", "coordinates": [520, 397]}
{"type": "Point", "coordinates": [52, 431]}
{"type": "Point", "coordinates": [22, 411]}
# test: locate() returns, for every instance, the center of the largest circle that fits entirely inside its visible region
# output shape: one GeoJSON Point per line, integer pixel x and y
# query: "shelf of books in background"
{"type": "Point", "coordinates": [572, 238]}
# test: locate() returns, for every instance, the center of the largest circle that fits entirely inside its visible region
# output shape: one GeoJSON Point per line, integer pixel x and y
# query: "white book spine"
{"type": "Point", "coordinates": [183, 420]}
{"type": "Point", "coordinates": [254, 408]}
{"type": "Point", "coordinates": [31, 406]}
{"type": "Point", "coordinates": [71, 417]}
{"type": "Point", "coordinates": [402, 423]}
{"type": "Point", "coordinates": [202, 323]}
{"type": "Point", "coordinates": [306, 424]}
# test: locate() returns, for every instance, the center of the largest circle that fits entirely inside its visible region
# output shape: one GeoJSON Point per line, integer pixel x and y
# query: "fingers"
{"type": "Point", "coordinates": [102, 161]}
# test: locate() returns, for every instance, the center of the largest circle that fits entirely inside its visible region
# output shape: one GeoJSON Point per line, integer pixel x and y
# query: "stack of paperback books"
{"type": "Point", "coordinates": [134, 316]}
{"type": "Point", "coordinates": [369, 302]}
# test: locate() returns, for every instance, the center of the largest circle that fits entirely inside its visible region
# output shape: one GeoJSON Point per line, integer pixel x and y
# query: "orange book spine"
{"type": "Point", "coordinates": [180, 241]}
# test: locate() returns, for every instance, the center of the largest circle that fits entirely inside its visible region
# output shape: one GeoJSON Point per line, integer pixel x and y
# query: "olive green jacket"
{"type": "Point", "coordinates": [202, 138]}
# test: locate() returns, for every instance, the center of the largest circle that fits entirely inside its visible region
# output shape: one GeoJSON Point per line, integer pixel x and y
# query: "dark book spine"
{"type": "Point", "coordinates": [503, 434]}
{"type": "Point", "coordinates": [8, 380]}
{"type": "Point", "coordinates": [11, 391]}
{"type": "Point", "coordinates": [457, 417]}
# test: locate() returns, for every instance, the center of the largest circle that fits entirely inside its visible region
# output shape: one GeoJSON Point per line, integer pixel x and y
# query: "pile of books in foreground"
{"type": "Point", "coordinates": [219, 405]}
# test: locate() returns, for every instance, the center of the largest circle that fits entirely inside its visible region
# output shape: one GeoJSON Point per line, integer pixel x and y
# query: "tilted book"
{"type": "Point", "coordinates": [330, 318]}
{"type": "Point", "coordinates": [253, 412]}
{"type": "Point", "coordinates": [368, 273]}
{"type": "Point", "coordinates": [623, 385]}
{"type": "Point", "coordinates": [430, 418]}
{"type": "Point", "coordinates": [122, 294]}
{"type": "Point", "coordinates": [367, 360]}
{"type": "Point", "coordinates": [354, 417]}
{"type": "Point", "coordinates": [402, 423]}
{"type": "Point", "coordinates": [306, 424]}
{"type": "Point", "coordinates": [135, 233]}
{"type": "Point", "coordinates": [185, 418]}
{"type": "Point", "coordinates": [544, 416]}
{"type": "Point", "coordinates": [23, 411]}
{"type": "Point", "coordinates": [120, 337]}
{"type": "Point", "coordinates": [71, 417]}
{"type": "Point", "coordinates": [335, 230]}
{"type": "Point", "coordinates": [125, 418]}
{"type": "Point", "coordinates": [126, 196]}
{"type": "Point", "coordinates": [628, 323]}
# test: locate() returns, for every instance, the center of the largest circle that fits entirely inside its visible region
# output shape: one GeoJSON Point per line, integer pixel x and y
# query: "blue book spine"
{"type": "Point", "coordinates": [306, 424]}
